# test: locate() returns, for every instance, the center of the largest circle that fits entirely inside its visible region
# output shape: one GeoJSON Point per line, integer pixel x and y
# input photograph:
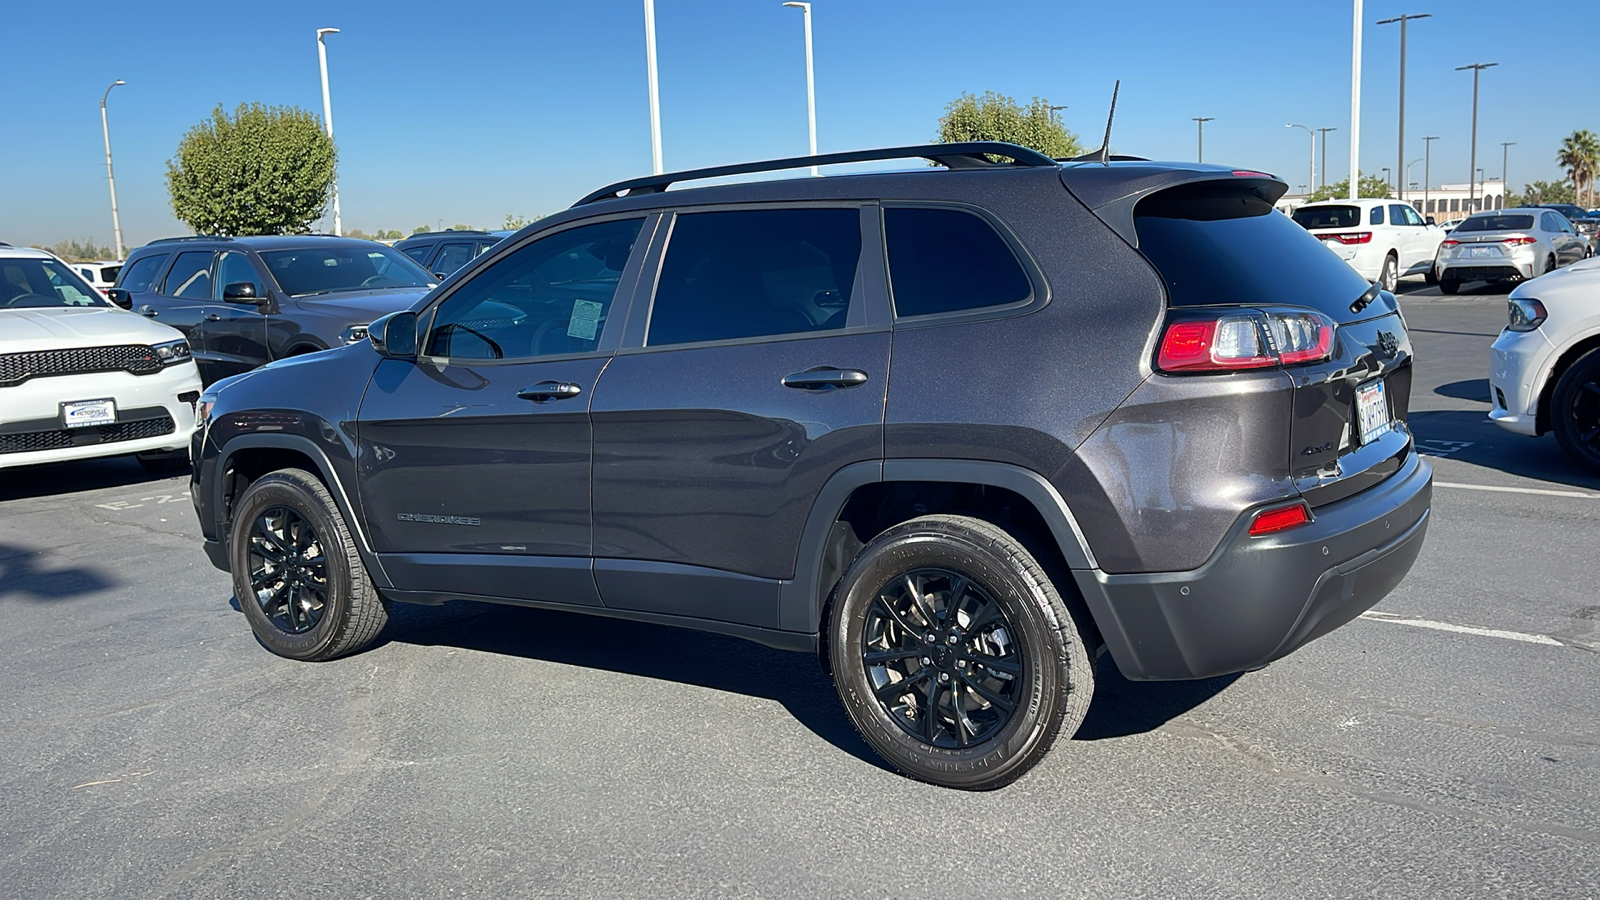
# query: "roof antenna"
{"type": "Point", "coordinates": [1103, 155]}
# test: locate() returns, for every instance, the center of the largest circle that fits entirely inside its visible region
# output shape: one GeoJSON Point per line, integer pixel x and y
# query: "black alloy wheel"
{"type": "Point", "coordinates": [940, 654]}
{"type": "Point", "coordinates": [1575, 411]}
{"type": "Point", "coordinates": [288, 570]}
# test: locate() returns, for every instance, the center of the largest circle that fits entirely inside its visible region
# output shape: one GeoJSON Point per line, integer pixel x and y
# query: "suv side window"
{"type": "Point", "coordinates": [948, 260]}
{"type": "Point", "coordinates": [190, 276]}
{"type": "Point", "coordinates": [137, 277]}
{"type": "Point", "coordinates": [755, 273]}
{"type": "Point", "coordinates": [1413, 217]}
{"type": "Point", "coordinates": [549, 297]}
{"type": "Point", "coordinates": [1397, 215]}
{"type": "Point", "coordinates": [1376, 216]}
{"type": "Point", "coordinates": [234, 267]}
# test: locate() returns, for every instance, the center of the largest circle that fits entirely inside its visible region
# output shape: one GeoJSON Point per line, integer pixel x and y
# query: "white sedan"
{"type": "Point", "coordinates": [81, 378]}
{"type": "Point", "coordinates": [1544, 368]}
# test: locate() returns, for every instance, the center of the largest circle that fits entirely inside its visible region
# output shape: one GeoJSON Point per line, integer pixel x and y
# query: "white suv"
{"type": "Point", "coordinates": [81, 378]}
{"type": "Point", "coordinates": [1381, 239]}
{"type": "Point", "coordinates": [1544, 369]}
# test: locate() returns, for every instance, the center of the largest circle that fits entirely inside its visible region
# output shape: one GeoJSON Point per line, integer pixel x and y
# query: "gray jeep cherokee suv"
{"type": "Point", "coordinates": [956, 430]}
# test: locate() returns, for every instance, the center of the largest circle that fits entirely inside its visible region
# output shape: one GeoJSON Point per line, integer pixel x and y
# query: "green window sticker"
{"type": "Point", "coordinates": [585, 321]}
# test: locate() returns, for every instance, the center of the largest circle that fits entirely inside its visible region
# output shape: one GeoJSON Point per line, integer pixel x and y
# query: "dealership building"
{"type": "Point", "coordinates": [1443, 203]}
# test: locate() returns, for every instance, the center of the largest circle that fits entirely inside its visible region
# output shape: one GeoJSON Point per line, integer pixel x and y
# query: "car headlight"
{"type": "Point", "coordinates": [172, 352]}
{"type": "Point", "coordinates": [355, 334]}
{"type": "Point", "coordinates": [1524, 314]}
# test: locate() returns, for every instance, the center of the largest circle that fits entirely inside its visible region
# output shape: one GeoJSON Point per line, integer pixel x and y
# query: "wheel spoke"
{"type": "Point", "coordinates": [900, 620]}
{"type": "Point", "coordinates": [960, 718]}
{"type": "Point", "coordinates": [1589, 436]}
{"type": "Point", "coordinates": [917, 602]}
{"type": "Point", "coordinates": [930, 711]}
{"type": "Point", "coordinates": [987, 613]}
{"type": "Point", "coordinates": [1592, 387]}
{"type": "Point", "coordinates": [995, 663]}
{"type": "Point", "coordinates": [995, 700]}
{"type": "Point", "coordinates": [903, 686]}
{"type": "Point", "coordinates": [879, 657]}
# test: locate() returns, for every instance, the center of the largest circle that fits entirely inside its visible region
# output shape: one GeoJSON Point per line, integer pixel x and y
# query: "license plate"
{"type": "Point", "coordinates": [83, 413]}
{"type": "Point", "coordinates": [1480, 252]}
{"type": "Point", "coordinates": [1372, 411]}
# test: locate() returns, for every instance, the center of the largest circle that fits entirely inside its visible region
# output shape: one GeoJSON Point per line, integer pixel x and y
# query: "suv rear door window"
{"type": "Point", "coordinates": [949, 260]}
{"type": "Point", "coordinates": [1328, 216]}
{"type": "Point", "coordinates": [753, 273]}
{"type": "Point", "coordinates": [136, 277]}
{"type": "Point", "coordinates": [190, 277]}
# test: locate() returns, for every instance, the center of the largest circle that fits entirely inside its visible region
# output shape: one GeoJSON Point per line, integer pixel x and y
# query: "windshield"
{"type": "Point", "coordinates": [1495, 223]}
{"type": "Point", "coordinates": [44, 284]}
{"type": "Point", "coordinates": [1328, 216]}
{"type": "Point", "coordinates": [307, 271]}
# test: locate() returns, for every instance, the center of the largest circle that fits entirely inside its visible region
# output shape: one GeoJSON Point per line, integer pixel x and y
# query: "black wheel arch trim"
{"type": "Point", "coordinates": [325, 469]}
{"type": "Point", "coordinates": [803, 597]}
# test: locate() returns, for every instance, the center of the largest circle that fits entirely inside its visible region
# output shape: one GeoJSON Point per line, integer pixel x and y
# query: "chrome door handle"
{"type": "Point", "coordinates": [545, 391]}
{"type": "Point", "coordinates": [824, 378]}
{"type": "Point", "coordinates": [213, 317]}
{"type": "Point", "coordinates": [147, 312]}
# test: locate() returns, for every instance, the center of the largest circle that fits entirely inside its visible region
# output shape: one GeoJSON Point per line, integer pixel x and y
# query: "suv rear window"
{"type": "Point", "coordinates": [1221, 246]}
{"type": "Point", "coordinates": [949, 260]}
{"type": "Point", "coordinates": [1328, 216]}
{"type": "Point", "coordinates": [1495, 223]}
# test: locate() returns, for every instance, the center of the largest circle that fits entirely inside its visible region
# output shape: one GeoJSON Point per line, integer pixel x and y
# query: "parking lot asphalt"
{"type": "Point", "coordinates": [1448, 744]}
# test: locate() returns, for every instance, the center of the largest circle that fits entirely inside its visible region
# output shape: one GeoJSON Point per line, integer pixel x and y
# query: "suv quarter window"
{"type": "Point", "coordinates": [549, 297]}
{"type": "Point", "coordinates": [945, 260]}
{"type": "Point", "coordinates": [749, 273]}
{"type": "Point", "coordinates": [1375, 217]}
{"type": "Point", "coordinates": [190, 276]}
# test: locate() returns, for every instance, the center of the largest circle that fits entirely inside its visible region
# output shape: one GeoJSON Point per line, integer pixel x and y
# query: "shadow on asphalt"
{"type": "Point", "coordinates": [72, 477]}
{"type": "Point", "coordinates": [1122, 708]}
{"type": "Point", "coordinates": [1476, 389]}
{"type": "Point", "coordinates": [21, 576]}
{"type": "Point", "coordinates": [1469, 436]}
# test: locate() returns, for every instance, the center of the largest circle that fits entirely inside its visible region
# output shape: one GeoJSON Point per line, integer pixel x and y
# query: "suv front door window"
{"type": "Point", "coordinates": [478, 452]}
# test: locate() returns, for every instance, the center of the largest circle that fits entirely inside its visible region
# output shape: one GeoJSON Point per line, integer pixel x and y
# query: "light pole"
{"type": "Point", "coordinates": [1481, 195]}
{"type": "Point", "coordinates": [1312, 166]}
{"type": "Point", "coordinates": [1472, 166]}
{"type": "Point", "coordinates": [1388, 180]}
{"type": "Point", "coordinates": [1324, 133]}
{"type": "Point", "coordinates": [811, 85]}
{"type": "Point", "coordinates": [1355, 103]}
{"type": "Point", "coordinates": [655, 95]}
{"type": "Point", "coordinates": [116, 223]}
{"type": "Point", "coordinates": [1409, 183]}
{"type": "Point", "coordinates": [327, 117]}
{"type": "Point", "coordinates": [1505, 157]}
{"type": "Point", "coordinates": [1200, 135]}
{"type": "Point", "coordinates": [1427, 173]}
{"type": "Point", "coordinates": [1402, 20]}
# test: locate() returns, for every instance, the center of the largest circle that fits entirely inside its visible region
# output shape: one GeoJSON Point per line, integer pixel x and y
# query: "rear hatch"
{"type": "Point", "coordinates": [1226, 256]}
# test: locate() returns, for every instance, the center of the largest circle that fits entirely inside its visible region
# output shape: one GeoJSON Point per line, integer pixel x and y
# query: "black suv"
{"type": "Point", "coordinates": [443, 252]}
{"type": "Point", "coordinates": [245, 301]}
{"type": "Point", "coordinates": [955, 430]}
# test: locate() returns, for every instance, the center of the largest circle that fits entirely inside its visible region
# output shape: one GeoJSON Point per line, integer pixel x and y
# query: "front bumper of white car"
{"type": "Point", "coordinates": [154, 413]}
{"type": "Point", "coordinates": [1519, 363]}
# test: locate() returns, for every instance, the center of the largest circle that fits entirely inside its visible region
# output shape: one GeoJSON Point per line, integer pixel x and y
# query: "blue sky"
{"type": "Point", "coordinates": [451, 112]}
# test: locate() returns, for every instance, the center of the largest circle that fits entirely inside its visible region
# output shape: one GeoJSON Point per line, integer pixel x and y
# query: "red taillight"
{"type": "Point", "coordinates": [1241, 173]}
{"type": "Point", "coordinates": [1273, 521]}
{"type": "Point", "coordinates": [1449, 243]}
{"type": "Point", "coordinates": [1245, 340]}
{"type": "Point", "coordinates": [1359, 237]}
{"type": "Point", "coordinates": [1519, 241]}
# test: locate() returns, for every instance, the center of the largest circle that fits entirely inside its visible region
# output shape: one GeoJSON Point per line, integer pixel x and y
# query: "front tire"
{"type": "Point", "coordinates": [297, 573]}
{"type": "Point", "coordinates": [1575, 411]}
{"type": "Point", "coordinates": [955, 655]}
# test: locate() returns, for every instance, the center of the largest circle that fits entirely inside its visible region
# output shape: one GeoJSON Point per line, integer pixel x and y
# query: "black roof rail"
{"type": "Point", "coordinates": [191, 237]}
{"type": "Point", "coordinates": [446, 231]}
{"type": "Point", "coordinates": [965, 155]}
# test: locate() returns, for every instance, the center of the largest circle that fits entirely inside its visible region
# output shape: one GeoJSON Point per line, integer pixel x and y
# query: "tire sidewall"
{"type": "Point", "coordinates": [1572, 381]}
{"type": "Point", "coordinates": [278, 489]}
{"type": "Point", "coordinates": [1037, 714]}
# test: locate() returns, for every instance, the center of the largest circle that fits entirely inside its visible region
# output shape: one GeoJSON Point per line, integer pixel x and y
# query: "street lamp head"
{"type": "Point", "coordinates": [117, 82]}
{"type": "Point", "coordinates": [323, 31]}
{"type": "Point", "coordinates": [798, 5]}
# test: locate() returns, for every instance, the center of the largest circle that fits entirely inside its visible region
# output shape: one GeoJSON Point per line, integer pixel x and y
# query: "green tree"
{"type": "Point", "coordinates": [78, 251]}
{"type": "Point", "coordinates": [461, 227]}
{"type": "Point", "coordinates": [389, 235]}
{"type": "Point", "coordinates": [514, 223]}
{"type": "Point", "coordinates": [1580, 156]}
{"type": "Point", "coordinates": [263, 170]}
{"type": "Point", "coordinates": [422, 229]}
{"type": "Point", "coordinates": [996, 117]}
{"type": "Point", "coordinates": [1542, 192]}
{"type": "Point", "coordinates": [1370, 186]}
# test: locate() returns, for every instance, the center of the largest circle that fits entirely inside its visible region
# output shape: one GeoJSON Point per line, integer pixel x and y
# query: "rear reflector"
{"type": "Point", "coordinates": [1273, 521]}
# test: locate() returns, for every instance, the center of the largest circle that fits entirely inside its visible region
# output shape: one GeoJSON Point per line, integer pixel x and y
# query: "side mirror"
{"type": "Point", "coordinates": [395, 335]}
{"type": "Point", "coordinates": [440, 275]}
{"type": "Point", "coordinates": [241, 292]}
{"type": "Point", "coordinates": [120, 297]}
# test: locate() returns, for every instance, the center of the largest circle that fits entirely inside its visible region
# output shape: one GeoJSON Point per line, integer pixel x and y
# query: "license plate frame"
{"type": "Point", "coordinates": [88, 413]}
{"type": "Point", "coordinates": [1374, 418]}
{"type": "Point", "coordinates": [1480, 252]}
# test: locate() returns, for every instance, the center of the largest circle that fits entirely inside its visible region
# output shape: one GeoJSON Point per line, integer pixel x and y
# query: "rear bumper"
{"type": "Point", "coordinates": [1508, 270]}
{"type": "Point", "coordinates": [1259, 599]}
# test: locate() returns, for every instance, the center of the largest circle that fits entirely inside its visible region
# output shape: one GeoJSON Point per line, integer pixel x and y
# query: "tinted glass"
{"type": "Point", "coordinates": [43, 284]}
{"type": "Point", "coordinates": [755, 272]}
{"type": "Point", "coordinates": [328, 269]}
{"type": "Point", "coordinates": [452, 257]}
{"type": "Point", "coordinates": [418, 253]}
{"type": "Point", "coordinates": [137, 276]}
{"type": "Point", "coordinates": [1508, 222]}
{"type": "Point", "coordinates": [108, 274]}
{"type": "Point", "coordinates": [190, 276]}
{"type": "Point", "coordinates": [1397, 214]}
{"type": "Point", "coordinates": [947, 260]}
{"type": "Point", "coordinates": [1224, 246]}
{"type": "Point", "coordinates": [1412, 216]}
{"type": "Point", "coordinates": [235, 268]}
{"type": "Point", "coordinates": [1375, 216]}
{"type": "Point", "coordinates": [547, 298]}
{"type": "Point", "coordinates": [1328, 216]}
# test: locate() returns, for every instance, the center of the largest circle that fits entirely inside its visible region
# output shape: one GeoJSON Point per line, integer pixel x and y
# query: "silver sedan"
{"type": "Point", "coordinates": [1507, 245]}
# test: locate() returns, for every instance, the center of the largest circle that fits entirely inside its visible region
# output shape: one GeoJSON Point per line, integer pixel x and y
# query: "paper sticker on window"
{"type": "Point", "coordinates": [585, 321]}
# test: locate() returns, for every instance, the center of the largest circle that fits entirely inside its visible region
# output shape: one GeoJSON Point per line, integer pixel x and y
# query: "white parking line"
{"type": "Point", "coordinates": [1463, 629]}
{"type": "Point", "coordinates": [1517, 490]}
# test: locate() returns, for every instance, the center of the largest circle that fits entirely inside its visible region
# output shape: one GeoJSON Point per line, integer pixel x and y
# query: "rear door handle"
{"type": "Point", "coordinates": [824, 378]}
{"type": "Point", "coordinates": [147, 312]}
{"type": "Point", "coordinates": [545, 391]}
{"type": "Point", "coordinates": [213, 317]}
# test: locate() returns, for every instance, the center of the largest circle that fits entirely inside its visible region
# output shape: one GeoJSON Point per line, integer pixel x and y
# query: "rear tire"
{"type": "Point", "coordinates": [1575, 411]}
{"type": "Point", "coordinates": [1449, 286]}
{"type": "Point", "coordinates": [297, 573]}
{"type": "Point", "coordinates": [1389, 276]}
{"type": "Point", "coordinates": [955, 655]}
{"type": "Point", "coordinates": [1549, 264]}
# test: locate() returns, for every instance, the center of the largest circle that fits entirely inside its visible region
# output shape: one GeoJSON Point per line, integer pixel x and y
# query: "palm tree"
{"type": "Point", "coordinates": [1580, 156]}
